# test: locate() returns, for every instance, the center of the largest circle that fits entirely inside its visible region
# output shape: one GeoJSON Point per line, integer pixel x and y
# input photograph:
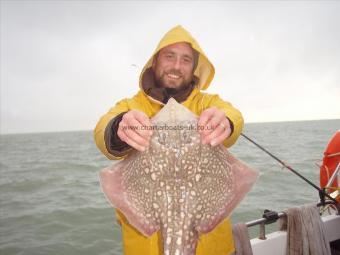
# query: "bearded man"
{"type": "Point", "coordinates": [178, 69]}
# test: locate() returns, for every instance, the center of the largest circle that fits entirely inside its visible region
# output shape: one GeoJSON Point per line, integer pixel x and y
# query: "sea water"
{"type": "Point", "coordinates": [51, 201]}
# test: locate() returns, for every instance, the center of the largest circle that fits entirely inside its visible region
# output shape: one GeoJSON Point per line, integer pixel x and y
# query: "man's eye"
{"type": "Point", "coordinates": [169, 56]}
{"type": "Point", "coordinates": [187, 60]}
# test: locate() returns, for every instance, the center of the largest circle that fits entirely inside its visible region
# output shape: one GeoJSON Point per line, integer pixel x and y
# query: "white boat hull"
{"type": "Point", "coordinates": [276, 242]}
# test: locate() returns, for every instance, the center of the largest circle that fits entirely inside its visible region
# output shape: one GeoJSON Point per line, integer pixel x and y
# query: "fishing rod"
{"type": "Point", "coordinates": [322, 192]}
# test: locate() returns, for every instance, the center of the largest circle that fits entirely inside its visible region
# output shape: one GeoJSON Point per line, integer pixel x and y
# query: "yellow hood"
{"type": "Point", "coordinates": [204, 71]}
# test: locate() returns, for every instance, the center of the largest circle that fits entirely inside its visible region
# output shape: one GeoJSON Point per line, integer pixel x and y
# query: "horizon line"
{"type": "Point", "coordinates": [88, 130]}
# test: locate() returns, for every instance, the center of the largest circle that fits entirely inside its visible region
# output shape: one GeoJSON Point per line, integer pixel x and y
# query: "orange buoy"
{"type": "Point", "coordinates": [330, 162]}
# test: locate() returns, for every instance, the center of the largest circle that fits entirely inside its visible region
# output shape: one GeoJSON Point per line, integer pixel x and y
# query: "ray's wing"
{"type": "Point", "coordinates": [129, 187]}
{"type": "Point", "coordinates": [225, 181]}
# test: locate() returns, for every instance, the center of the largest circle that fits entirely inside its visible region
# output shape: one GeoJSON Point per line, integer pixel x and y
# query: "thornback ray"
{"type": "Point", "coordinates": [178, 185]}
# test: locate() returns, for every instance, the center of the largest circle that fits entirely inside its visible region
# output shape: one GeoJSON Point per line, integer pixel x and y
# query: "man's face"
{"type": "Point", "coordinates": [173, 66]}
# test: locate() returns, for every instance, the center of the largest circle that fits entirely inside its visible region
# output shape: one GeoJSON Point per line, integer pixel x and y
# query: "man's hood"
{"type": "Point", "coordinates": [204, 71]}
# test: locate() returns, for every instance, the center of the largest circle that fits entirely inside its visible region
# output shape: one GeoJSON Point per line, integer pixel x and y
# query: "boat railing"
{"type": "Point", "coordinates": [269, 217]}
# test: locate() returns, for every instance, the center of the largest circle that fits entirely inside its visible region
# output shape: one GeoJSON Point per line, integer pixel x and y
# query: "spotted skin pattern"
{"type": "Point", "coordinates": [178, 185]}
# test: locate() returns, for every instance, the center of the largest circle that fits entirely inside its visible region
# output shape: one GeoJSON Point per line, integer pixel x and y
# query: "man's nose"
{"type": "Point", "coordinates": [177, 64]}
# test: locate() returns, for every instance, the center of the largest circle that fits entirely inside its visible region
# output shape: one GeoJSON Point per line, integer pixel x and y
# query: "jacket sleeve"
{"type": "Point", "coordinates": [234, 116]}
{"type": "Point", "coordinates": [103, 137]}
{"type": "Point", "coordinates": [114, 144]}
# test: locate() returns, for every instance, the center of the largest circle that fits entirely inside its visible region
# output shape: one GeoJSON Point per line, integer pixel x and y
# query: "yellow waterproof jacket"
{"type": "Point", "coordinates": [219, 241]}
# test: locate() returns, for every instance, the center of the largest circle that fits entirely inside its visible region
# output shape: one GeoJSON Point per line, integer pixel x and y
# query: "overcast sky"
{"type": "Point", "coordinates": [65, 63]}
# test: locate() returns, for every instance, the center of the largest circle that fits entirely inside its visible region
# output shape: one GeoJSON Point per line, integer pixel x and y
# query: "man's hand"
{"type": "Point", "coordinates": [133, 129]}
{"type": "Point", "coordinates": [214, 126]}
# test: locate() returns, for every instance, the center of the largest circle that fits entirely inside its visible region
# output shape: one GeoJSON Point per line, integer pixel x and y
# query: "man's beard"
{"type": "Point", "coordinates": [160, 82]}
